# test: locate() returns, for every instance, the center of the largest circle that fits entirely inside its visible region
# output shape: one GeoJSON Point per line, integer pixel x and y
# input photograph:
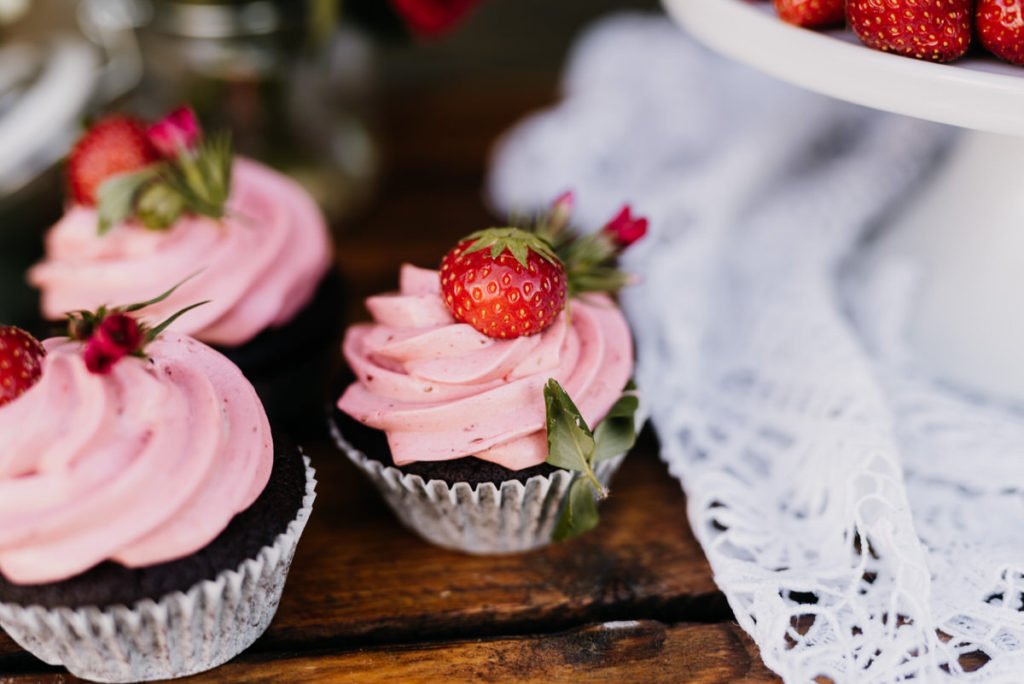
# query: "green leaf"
{"type": "Point", "coordinates": [579, 514]}
{"type": "Point", "coordinates": [616, 434]}
{"type": "Point", "coordinates": [116, 197]}
{"type": "Point", "coordinates": [570, 442]}
{"type": "Point", "coordinates": [153, 333]}
{"type": "Point", "coordinates": [130, 308]}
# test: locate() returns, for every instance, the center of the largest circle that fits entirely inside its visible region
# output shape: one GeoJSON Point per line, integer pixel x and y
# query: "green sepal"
{"type": "Point", "coordinates": [580, 512]}
{"type": "Point", "coordinates": [596, 279]}
{"type": "Point", "coordinates": [518, 242]}
{"type": "Point", "coordinates": [138, 306]}
{"type": "Point", "coordinates": [202, 177]}
{"type": "Point", "coordinates": [153, 333]}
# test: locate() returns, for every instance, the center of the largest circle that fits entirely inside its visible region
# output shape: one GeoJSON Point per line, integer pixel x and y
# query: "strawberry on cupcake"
{"type": "Point", "coordinates": [492, 400]}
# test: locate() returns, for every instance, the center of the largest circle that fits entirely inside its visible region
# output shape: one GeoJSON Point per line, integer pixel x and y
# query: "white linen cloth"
{"type": "Point", "coordinates": [865, 523]}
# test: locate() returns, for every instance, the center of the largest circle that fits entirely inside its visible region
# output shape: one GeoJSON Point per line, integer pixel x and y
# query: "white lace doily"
{"type": "Point", "coordinates": [864, 522]}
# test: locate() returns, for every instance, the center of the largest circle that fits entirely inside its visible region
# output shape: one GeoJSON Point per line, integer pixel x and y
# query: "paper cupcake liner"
{"type": "Point", "coordinates": [182, 634]}
{"type": "Point", "coordinates": [488, 519]}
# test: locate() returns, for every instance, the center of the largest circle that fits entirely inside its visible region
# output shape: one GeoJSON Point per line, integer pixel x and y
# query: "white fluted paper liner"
{"type": "Point", "coordinates": [488, 519]}
{"type": "Point", "coordinates": [181, 634]}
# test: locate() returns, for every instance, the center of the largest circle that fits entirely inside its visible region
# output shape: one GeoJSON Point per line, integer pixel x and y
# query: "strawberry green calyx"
{"type": "Point", "coordinates": [110, 334]}
{"type": "Point", "coordinates": [193, 177]}
{"type": "Point", "coordinates": [518, 242]}
{"type": "Point", "coordinates": [573, 446]}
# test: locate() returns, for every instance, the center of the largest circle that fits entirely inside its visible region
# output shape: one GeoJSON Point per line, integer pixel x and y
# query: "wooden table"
{"type": "Point", "coordinates": [367, 601]}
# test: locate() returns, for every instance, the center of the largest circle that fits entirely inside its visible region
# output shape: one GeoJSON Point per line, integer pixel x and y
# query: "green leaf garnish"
{"type": "Point", "coordinates": [117, 197]}
{"type": "Point", "coordinates": [580, 513]}
{"type": "Point", "coordinates": [573, 446]}
{"type": "Point", "coordinates": [616, 434]}
{"type": "Point", "coordinates": [570, 441]}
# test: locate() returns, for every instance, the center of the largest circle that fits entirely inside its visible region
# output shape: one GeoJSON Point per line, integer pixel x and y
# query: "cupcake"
{"type": "Point", "coordinates": [148, 518]}
{"type": "Point", "coordinates": [151, 206]}
{"type": "Point", "coordinates": [491, 400]}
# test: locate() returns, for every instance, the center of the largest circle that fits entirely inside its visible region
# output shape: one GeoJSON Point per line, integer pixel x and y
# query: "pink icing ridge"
{"type": "Point", "coordinates": [260, 265]}
{"type": "Point", "coordinates": [441, 390]}
{"type": "Point", "coordinates": [142, 466]}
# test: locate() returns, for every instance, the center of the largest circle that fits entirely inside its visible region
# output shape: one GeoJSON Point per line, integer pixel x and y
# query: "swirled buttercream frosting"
{"type": "Point", "coordinates": [258, 266]}
{"type": "Point", "coordinates": [143, 465]}
{"type": "Point", "coordinates": [440, 390]}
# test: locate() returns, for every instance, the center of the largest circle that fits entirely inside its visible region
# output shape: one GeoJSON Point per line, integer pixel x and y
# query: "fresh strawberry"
{"type": "Point", "coordinates": [812, 13]}
{"type": "Point", "coordinates": [505, 282]}
{"type": "Point", "coordinates": [935, 30]}
{"type": "Point", "coordinates": [114, 145]}
{"type": "Point", "coordinates": [1001, 28]}
{"type": "Point", "coordinates": [21, 362]}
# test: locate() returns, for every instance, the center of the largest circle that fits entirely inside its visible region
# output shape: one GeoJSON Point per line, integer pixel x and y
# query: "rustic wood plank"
{"type": "Point", "coordinates": [643, 651]}
{"type": "Point", "coordinates": [634, 651]}
{"type": "Point", "coordinates": [360, 576]}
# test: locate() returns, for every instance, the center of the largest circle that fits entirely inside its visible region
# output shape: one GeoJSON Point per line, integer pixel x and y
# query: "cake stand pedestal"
{"type": "Point", "coordinates": [966, 230]}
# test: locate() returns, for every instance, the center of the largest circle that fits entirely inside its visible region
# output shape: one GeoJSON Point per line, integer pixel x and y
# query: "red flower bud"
{"type": "Point", "coordinates": [100, 355]}
{"type": "Point", "coordinates": [626, 229]}
{"type": "Point", "coordinates": [117, 336]}
{"type": "Point", "coordinates": [429, 18]}
{"type": "Point", "coordinates": [122, 331]}
{"type": "Point", "coordinates": [176, 132]}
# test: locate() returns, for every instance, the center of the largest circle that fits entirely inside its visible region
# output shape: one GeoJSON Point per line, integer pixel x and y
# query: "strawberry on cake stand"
{"type": "Point", "coordinates": [966, 229]}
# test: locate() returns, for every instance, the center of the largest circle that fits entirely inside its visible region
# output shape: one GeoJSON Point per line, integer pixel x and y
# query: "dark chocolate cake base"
{"type": "Point", "coordinates": [289, 365]}
{"type": "Point", "coordinates": [469, 469]}
{"type": "Point", "coordinates": [111, 584]}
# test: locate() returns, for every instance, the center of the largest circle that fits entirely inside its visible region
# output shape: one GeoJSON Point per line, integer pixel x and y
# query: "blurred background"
{"type": "Point", "coordinates": [384, 109]}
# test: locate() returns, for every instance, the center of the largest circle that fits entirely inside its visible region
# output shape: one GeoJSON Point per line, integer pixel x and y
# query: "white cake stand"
{"type": "Point", "coordinates": [966, 229]}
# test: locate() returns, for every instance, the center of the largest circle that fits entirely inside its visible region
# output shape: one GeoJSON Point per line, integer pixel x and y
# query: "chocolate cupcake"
{"type": "Point", "coordinates": [148, 517]}
{"type": "Point", "coordinates": [152, 207]}
{"type": "Point", "coordinates": [476, 386]}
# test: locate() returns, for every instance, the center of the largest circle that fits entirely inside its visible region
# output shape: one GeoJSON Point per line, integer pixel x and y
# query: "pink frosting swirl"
{"type": "Point", "coordinates": [260, 265]}
{"type": "Point", "coordinates": [441, 390]}
{"type": "Point", "coordinates": [142, 466]}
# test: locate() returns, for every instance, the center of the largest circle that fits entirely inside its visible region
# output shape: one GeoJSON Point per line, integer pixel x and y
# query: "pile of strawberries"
{"type": "Point", "coordinates": [934, 30]}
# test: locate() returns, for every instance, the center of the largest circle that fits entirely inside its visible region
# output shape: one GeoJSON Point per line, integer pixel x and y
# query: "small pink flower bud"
{"type": "Point", "coordinates": [176, 132]}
